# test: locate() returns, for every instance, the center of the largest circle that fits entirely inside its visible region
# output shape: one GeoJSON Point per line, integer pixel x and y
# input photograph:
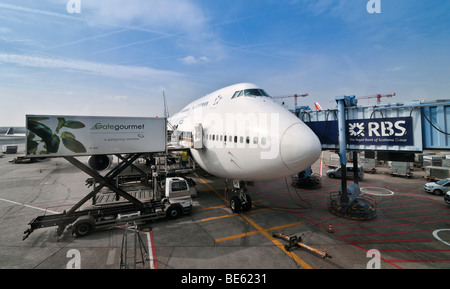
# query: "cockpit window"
{"type": "Point", "coordinates": [264, 93]}
{"type": "Point", "coordinates": [255, 92]}
{"type": "Point", "coordinates": [250, 92]}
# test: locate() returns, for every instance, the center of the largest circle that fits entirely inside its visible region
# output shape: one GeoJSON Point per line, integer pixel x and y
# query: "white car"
{"type": "Point", "coordinates": [438, 188]}
{"type": "Point", "coordinates": [447, 198]}
{"type": "Point", "coordinates": [337, 173]}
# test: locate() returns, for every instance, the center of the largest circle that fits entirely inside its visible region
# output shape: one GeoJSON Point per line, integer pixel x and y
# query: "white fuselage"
{"type": "Point", "coordinates": [245, 135]}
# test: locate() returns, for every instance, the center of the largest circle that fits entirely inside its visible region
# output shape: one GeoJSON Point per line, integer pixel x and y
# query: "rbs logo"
{"type": "Point", "coordinates": [387, 128]}
{"type": "Point", "coordinates": [383, 128]}
{"type": "Point", "coordinates": [382, 131]}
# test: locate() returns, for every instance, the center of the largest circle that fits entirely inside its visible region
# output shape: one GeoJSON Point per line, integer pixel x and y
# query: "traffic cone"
{"type": "Point", "coordinates": [330, 229]}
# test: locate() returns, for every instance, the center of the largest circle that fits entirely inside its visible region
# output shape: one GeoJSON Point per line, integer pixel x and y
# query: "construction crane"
{"type": "Point", "coordinates": [377, 96]}
{"type": "Point", "coordinates": [294, 95]}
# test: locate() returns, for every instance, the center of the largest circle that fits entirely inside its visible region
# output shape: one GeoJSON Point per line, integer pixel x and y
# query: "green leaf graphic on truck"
{"type": "Point", "coordinates": [52, 140]}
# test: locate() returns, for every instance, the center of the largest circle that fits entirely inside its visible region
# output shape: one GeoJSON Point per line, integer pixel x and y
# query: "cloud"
{"type": "Point", "coordinates": [184, 22]}
{"type": "Point", "coordinates": [111, 70]}
{"type": "Point", "coordinates": [39, 12]}
{"type": "Point", "coordinates": [179, 14]}
{"type": "Point", "coordinates": [345, 10]}
{"type": "Point", "coordinates": [194, 60]}
{"type": "Point", "coordinates": [116, 97]}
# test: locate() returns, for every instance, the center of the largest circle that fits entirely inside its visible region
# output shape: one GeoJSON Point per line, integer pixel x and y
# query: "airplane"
{"type": "Point", "coordinates": [240, 133]}
{"type": "Point", "coordinates": [10, 138]}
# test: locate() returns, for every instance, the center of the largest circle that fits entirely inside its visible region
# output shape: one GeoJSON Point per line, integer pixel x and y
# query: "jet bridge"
{"type": "Point", "coordinates": [396, 132]}
{"type": "Point", "coordinates": [410, 127]}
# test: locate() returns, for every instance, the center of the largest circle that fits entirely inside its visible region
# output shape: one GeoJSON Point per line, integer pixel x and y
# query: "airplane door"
{"type": "Point", "coordinates": [198, 136]}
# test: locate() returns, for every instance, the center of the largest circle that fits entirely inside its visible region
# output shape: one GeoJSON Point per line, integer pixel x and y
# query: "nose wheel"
{"type": "Point", "coordinates": [241, 201]}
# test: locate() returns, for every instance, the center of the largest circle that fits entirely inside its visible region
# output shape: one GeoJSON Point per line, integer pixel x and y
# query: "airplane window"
{"type": "Point", "coordinates": [263, 141]}
{"type": "Point", "coordinates": [247, 140]}
{"type": "Point", "coordinates": [264, 93]}
{"type": "Point", "coordinates": [214, 137]}
{"type": "Point", "coordinates": [252, 92]}
{"type": "Point", "coordinates": [230, 138]}
{"type": "Point", "coordinates": [236, 94]}
{"type": "Point", "coordinates": [255, 140]}
{"type": "Point", "coordinates": [241, 139]}
{"type": "Point", "coordinates": [235, 139]}
{"type": "Point", "coordinates": [221, 137]}
{"type": "Point", "coordinates": [255, 92]}
{"type": "Point", "coordinates": [225, 138]}
{"type": "Point", "coordinates": [241, 93]}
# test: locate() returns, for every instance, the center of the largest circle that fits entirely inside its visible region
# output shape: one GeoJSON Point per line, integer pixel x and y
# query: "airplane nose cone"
{"type": "Point", "coordinates": [300, 147]}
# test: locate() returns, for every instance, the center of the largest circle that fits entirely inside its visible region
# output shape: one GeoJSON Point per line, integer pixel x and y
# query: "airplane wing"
{"type": "Point", "coordinates": [11, 138]}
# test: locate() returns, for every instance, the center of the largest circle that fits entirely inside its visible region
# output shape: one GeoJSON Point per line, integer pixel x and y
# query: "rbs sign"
{"type": "Point", "coordinates": [381, 131]}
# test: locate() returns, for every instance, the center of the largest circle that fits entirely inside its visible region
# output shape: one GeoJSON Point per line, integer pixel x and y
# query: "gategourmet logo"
{"type": "Point", "coordinates": [117, 127]}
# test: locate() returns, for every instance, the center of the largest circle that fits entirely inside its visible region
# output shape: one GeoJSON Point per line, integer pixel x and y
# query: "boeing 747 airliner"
{"type": "Point", "coordinates": [239, 133]}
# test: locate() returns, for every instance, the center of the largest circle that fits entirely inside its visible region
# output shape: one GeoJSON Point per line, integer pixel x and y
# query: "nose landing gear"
{"type": "Point", "coordinates": [241, 201]}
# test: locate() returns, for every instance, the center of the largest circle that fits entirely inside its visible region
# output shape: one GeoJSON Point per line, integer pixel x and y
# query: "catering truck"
{"type": "Point", "coordinates": [112, 206]}
{"type": "Point", "coordinates": [118, 197]}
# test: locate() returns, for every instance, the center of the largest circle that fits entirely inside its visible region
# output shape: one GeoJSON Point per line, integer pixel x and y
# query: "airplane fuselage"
{"type": "Point", "coordinates": [242, 134]}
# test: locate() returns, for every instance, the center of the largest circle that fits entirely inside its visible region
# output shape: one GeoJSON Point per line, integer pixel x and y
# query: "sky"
{"type": "Point", "coordinates": [117, 58]}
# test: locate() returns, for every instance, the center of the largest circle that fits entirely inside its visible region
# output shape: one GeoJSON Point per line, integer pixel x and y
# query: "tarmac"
{"type": "Point", "coordinates": [411, 229]}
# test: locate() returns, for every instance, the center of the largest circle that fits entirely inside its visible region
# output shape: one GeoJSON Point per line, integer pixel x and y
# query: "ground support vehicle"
{"type": "Point", "coordinates": [306, 180]}
{"type": "Point", "coordinates": [167, 198]}
{"type": "Point", "coordinates": [402, 169]}
{"type": "Point", "coordinates": [358, 207]}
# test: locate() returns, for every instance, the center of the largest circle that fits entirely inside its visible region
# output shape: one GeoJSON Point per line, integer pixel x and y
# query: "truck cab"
{"type": "Point", "coordinates": [178, 197]}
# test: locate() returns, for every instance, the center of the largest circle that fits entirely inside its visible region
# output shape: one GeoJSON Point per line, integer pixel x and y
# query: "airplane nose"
{"type": "Point", "coordinates": [300, 147]}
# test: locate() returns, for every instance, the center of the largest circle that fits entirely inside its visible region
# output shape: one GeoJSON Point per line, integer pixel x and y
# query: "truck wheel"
{"type": "Point", "coordinates": [82, 229]}
{"type": "Point", "coordinates": [173, 212]}
{"type": "Point", "coordinates": [235, 204]}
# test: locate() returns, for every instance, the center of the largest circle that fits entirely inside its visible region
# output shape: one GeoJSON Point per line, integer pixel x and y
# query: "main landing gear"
{"type": "Point", "coordinates": [240, 201]}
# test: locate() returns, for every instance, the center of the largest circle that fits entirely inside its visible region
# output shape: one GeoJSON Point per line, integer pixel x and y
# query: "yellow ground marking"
{"type": "Point", "coordinates": [229, 215]}
{"type": "Point", "coordinates": [219, 217]}
{"type": "Point", "coordinates": [262, 231]}
{"type": "Point", "coordinates": [214, 190]}
{"type": "Point", "coordinates": [276, 242]}
{"type": "Point", "coordinates": [206, 190]}
{"type": "Point", "coordinates": [256, 232]}
{"type": "Point", "coordinates": [211, 208]}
